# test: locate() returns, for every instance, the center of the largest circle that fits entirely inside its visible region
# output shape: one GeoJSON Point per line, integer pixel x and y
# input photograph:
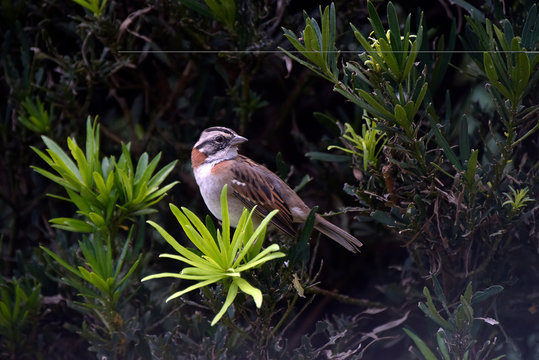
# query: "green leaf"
{"type": "Point", "coordinates": [474, 12]}
{"type": "Point", "coordinates": [492, 74]}
{"type": "Point", "coordinates": [440, 139]}
{"type": "Point", "coordinates": [420, 97]}
{"type": "Point", "coordinates": [309, 39]}
{"type": "Point", "coordinates": [188, 289]}
{"type": "Point", "coordinates": [523, 73]}
{"type": "Point", "coordinates": [410, 62]}
{"type": "Point", "coordinates": [83, 166]}
{"type": "Point", "coordinates": [198, 7]}
{"type": "Point", "coordinates": [71, 224]}
{"type": "Point", "coordinates": [312, 46]}
{"type": "Point", "coordinates": [468, 292]}
{"type": "Point", "coordinates": [367, 46]}
{"type": "Point", "coordinates": [100, 183]}
{"type": "Point", "coordinates": [244, 230]}
{"type": "Point", "coordinates": [318, 36]}
{"type": "Point", "coordinates": [326, 45]}
{"type": "Point", "coordinates": [211, 226]}
{"type": "Point", "coordinates": [471, 168]}
{"type": "Point", "coordinates": [60, 261]}
{"type": "Point", "coordinates": [250, 290]}
{"type": "Point", "coordinates": [375, 21]}
{"type": "Point", "coordinates": [81, 203]}
{"type": "Point", "coordinates": [431, 311]}
{"type": "Point", "coordinates": [261, 228]}
{"type": "Point", "coordinates": [490, 70]}
{"type": "Point", "coordinates": [264, 256]}
{"type": "Point", "coordinates": [256, 247]}
{"type": "Point", "coordinates": [123, 253]}
{"type": "Point", "coordinates": [161, 175]}
{"type": "Point", "coordinates": [125, 184]}
{"type": "Point", "coordinates": [376, 105]}
{"type": "Point", "coordinates": [390, 59]}
{"type": "Point", "coordinates": [223, 10]}
{"type": "Point", "coordinates": [402, 119]}
{"type": "Point", "coordinates": [57, 179]}
{"type": "Point", "coordinates": [231, 295]}
{"type": "Point", "coordinates": [144, 174]}
{"type": "Point", "coordinates": [301, 251]}
{"type": "Point", "coordinates": [204, 265]}
{"type": "Point", "coordinates": [464, 312]}
{"type": "Point", "coordinates": [42, 155]}
{"type": "Point", "coordinates": [95, 280]}
{"type": "Point", "coordinates": [464, 139]}
{"type": "Point", "coordinates": [308, 65]}
{"type": "Point", "coordinates": [153, 195]}
{"type": "Point", "coordinates": [322, 156]}
{"type": "Point", "coordinates": [142, 165]}
{"type": "Point", "coordinates": [530, 31]}
{"type": "Point", "coordinates": [394, 33]}
{"type": "Point", "coordinates": [384, 218]}
{"type": "Point", "coordinates": [92, 142]}
{"type": "Point", "coordinates": [205, 241]}
{"type": "Point", "coordinates": [504, 39]}
{"type": "Point", "coordinates": [480, 296]}
{"type": "Point", "coordinates": [293, 40]}
{"type": "Point", "coordinates": [423, 348]}
{"type": "Point", "coordinates": [129, 272]}
{"type": "Point", "coordinates": [442, 346]}
{"type": "Point", "coordinates": [180, 249]}
{"type": "Point", "coordinates": [97, 219]}
{"type": "Point", "coordinates": [61, 159]}
{"type": "Point", "coordinates": [225, 239]}
{"type": "Point", "coordinates": [333, 55]}
{"type": "Point", "coordinates": [439, 292]}
{"type": "Point", "coordinates": [441, 65]}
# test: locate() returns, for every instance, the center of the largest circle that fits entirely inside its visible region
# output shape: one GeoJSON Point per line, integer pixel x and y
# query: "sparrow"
{"type": "Point", "coordinates": [216, 162]}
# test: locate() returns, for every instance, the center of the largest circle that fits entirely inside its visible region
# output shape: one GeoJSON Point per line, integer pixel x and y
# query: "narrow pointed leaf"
{"type": "Point", "coordinates": [250, 290]}
{"type": "Point", "coordinates": [231, 295]}
{"type": "Point", "coordinates": [423, 348]}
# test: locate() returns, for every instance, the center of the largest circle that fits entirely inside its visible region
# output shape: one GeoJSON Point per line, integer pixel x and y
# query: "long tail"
{"type": "Point", "coordinates": [337, 234]}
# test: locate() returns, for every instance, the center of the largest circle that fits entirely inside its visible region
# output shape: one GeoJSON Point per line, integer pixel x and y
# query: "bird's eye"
{"type": "Point", "coordinates": [220, 139]}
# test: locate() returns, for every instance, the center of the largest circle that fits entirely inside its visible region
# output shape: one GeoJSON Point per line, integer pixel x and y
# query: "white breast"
{"type": "Point", "coordinates": [210, 189]}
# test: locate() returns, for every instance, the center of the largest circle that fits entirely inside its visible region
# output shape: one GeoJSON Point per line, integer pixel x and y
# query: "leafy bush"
{"type": "Point", "coordinates": [224, 258]}
{"type": "Point", "coordinates": [106, 193]}
{"type": "Point", "coordinates": [423, 178]}
{"type": "Point", "coordinates": [426, 149]}
{"type": "Point", "coordinates": [19, 308]}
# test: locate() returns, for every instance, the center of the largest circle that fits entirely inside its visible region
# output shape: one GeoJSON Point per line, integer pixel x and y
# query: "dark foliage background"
{"type": "Point", "coordinates": [156, 73]}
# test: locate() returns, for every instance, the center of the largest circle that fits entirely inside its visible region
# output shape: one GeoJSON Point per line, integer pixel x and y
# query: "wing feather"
{"type": "Point", "coordinates": [255, 185]}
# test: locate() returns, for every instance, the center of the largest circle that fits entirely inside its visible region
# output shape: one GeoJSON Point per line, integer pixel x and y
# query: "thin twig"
{"type": "Point", "coordinates": [344, 298]}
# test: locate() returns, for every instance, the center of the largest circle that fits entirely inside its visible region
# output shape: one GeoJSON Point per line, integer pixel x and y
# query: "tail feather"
{"type": "Point", "coordinates": [337, 234]}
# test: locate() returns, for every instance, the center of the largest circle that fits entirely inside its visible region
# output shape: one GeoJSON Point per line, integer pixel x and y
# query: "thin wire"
{"type": "Point", "coordinates": [325, 52]}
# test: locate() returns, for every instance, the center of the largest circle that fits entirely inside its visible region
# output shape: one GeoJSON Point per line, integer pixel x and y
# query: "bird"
{"type": "Point", "coordinates": [216, 162]}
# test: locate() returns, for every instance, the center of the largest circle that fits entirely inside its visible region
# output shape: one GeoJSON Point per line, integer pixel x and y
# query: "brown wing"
{"type": "Point", "coordinates": [255, 185]}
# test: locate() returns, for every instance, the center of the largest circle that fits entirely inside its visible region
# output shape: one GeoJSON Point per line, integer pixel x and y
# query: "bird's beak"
{"type": "Point", "coordinates": [237, 140]}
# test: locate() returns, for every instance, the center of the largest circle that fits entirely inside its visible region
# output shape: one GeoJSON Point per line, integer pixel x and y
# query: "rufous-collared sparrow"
{"type": "Point", "coordinates": [216, 162]}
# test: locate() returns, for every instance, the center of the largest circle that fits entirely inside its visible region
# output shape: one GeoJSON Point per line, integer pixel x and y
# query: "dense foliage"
{"type": "Point", "coordinates": [413, 125]}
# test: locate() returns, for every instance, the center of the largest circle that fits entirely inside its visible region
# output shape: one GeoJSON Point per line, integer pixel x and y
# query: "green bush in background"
{"type": "Point", "coordinates": [420, 130]}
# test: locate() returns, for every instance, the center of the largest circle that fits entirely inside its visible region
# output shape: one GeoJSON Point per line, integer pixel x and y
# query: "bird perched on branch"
{"type": "Point", "coordinates": [216, 162]}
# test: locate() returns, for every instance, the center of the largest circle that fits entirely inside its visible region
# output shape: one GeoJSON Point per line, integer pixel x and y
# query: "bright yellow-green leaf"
{"type": "Point", "coordinates": [250, 290]}
{"type": "Point", "coordinates": [231, 295]}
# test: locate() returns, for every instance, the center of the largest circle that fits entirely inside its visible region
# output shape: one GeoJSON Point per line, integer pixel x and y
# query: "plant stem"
{"type": "Point", "coordinates": [285, 315]}
{"type": "Point", "coordinates": [344, 298]}
{"type": "Point", "coordinates": [534, 129]}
